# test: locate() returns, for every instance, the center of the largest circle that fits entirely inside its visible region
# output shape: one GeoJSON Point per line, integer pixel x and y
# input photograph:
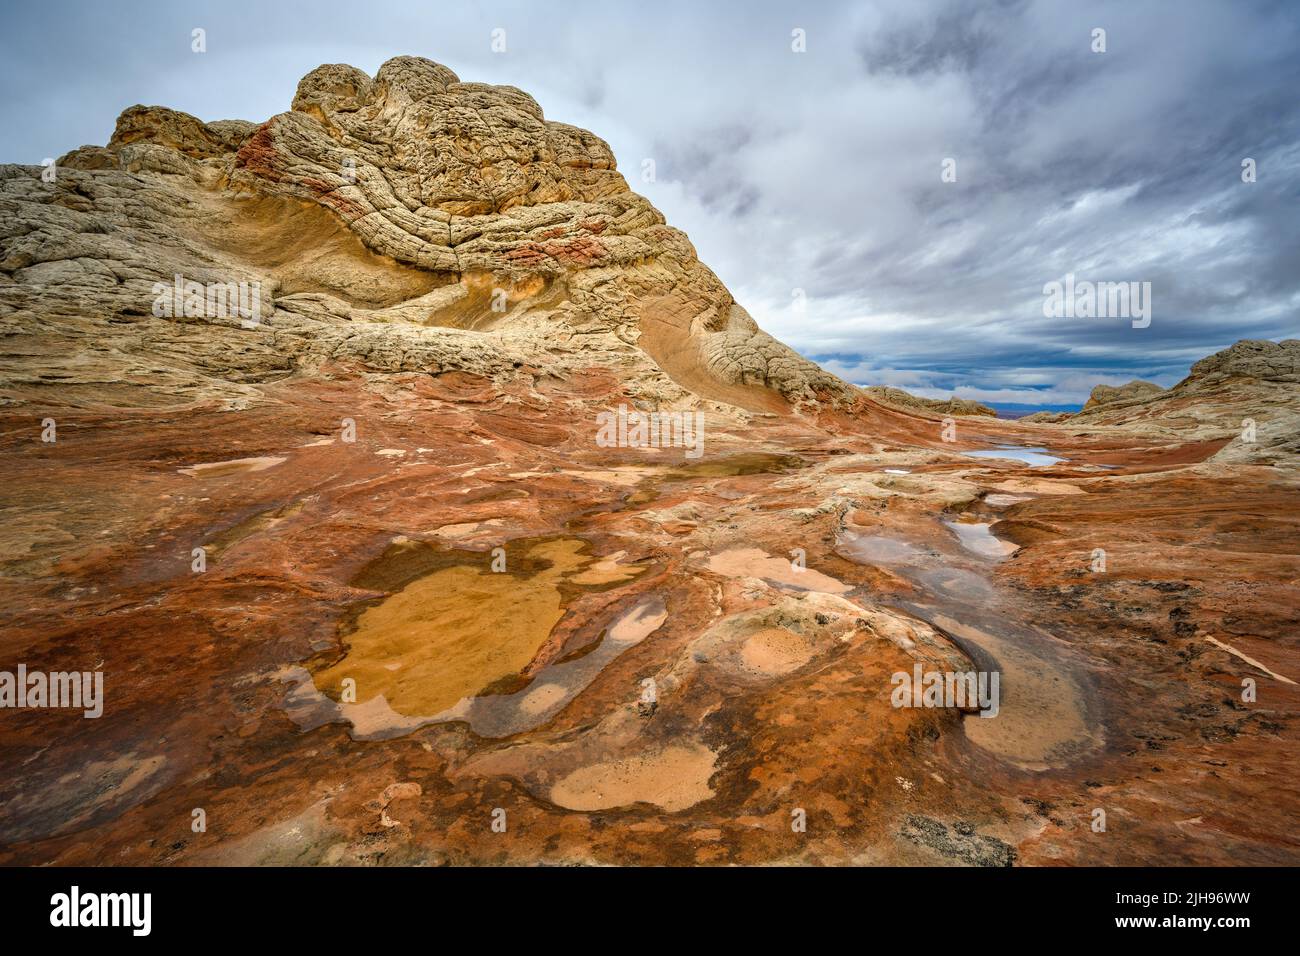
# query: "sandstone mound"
{"type": "Point", "coordinates": [405, 222]}
{"type": "Point", "coordinates": [1257, 359]}
{"type": "Point", "coordinates": [1135, 391]}
{"type": "Point", "coordinates": [1245, 394]}
{"type": "Point", "coordinates": [944, 406]}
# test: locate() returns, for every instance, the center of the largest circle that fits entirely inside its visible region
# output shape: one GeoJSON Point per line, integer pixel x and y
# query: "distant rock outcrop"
{"type": "Point", "coordinates": [947, 406]}
{"type": "Point", "coordinates": [1246, 393]}
{"type": "Point", "coordinates": [1135, 391]}
{"type": "Point", "coordinates": [1050, 418]}
{"type": "Point", "coordinates": [1257, 359]}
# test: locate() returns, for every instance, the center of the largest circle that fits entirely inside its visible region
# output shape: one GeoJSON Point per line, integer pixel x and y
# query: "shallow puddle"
{"type": "Point", "coordinates": [956, 584]}
{"type": "Point", "coordinates": [1041, 721]}
{"type": "Point", "coordinates": [732, 466]}
{"type": "Point", "coordinates": [502, 715]}
{"type": "Point", "coordinates": [977, 538]}
{"type": "Point", "coordinates": [1033, 457]}
{"type": "Point", "coordinates": [877, 549]}
{"type": "Point", "coordinates": [453, 628]}
{"type": "Point", "coordinates": [757, 563]}
{"type": "Point", "coordinates": [749, 463]}
{"type": "Point", "coordinates": [672, 779]}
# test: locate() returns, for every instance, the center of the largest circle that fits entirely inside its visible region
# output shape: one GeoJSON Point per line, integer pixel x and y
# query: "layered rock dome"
{"type": "Point", "coordinates": [408, 221]}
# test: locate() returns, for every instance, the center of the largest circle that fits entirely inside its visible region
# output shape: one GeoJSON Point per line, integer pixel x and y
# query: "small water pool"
{"type": "Point", "coordinates": [1033, 457]}
{"type": "Point", "coordinates": [978, 538]}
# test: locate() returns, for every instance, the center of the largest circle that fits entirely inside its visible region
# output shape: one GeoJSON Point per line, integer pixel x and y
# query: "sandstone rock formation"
{"type": "Point", "coordinates": [1049, 418]}
{"type": "Point", "coordinates": [228, 506]}
{"type": "Point", "coordinates": [407, 221]}
{"type": "Point", "coordinates": [1260, 360]}
{"type": "Point", "coordinates": [1246, 394]}
{"type": "Point", "coordinates": [945, 406]}
{"type": "Point", "coordinates": [1134, 391]}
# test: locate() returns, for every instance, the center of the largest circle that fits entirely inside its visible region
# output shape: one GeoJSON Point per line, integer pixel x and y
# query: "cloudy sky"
{"type": "Point", "coordinates": [814, 179]}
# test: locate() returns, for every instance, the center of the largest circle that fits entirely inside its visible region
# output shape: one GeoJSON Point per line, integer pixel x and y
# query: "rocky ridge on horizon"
{"type": "Point", "coordinates": [900, 398]}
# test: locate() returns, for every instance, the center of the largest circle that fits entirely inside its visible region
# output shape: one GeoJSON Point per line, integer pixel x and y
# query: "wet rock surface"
{"type": "Point", "coordinates": [771, 683]}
